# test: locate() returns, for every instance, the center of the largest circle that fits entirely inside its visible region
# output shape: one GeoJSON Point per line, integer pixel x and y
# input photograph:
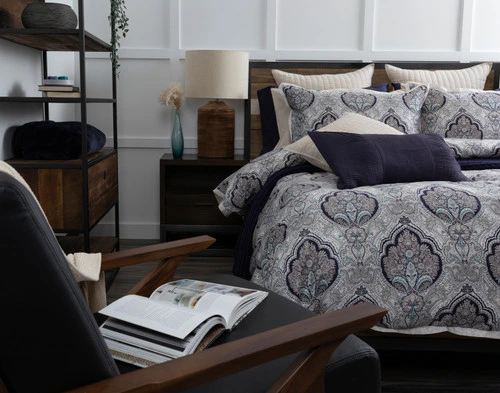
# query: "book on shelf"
{"type": "Point", "coordinates": [59, 82]}
{"type": "Point", "coordinates": [58, 88]}
{"type": "Point", "coordinates": [179, 318]}
{"type": "Point", "coordinates": [61, 94]}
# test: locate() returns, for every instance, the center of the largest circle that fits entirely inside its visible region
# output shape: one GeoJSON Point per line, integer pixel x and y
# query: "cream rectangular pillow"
{"type": "Point", "coordinates": [466, 78]}
{"type": "Point", "coordinates": [351, 123]}
{"type": "Point", "coordinates": [355, 79]}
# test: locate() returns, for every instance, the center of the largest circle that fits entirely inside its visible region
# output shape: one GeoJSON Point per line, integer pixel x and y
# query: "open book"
{"type": "Point", "coordinates": [178, 318]}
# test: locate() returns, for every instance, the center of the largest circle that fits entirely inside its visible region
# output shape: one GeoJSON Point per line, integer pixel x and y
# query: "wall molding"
{"type": "Point", "coordinates": [270, 52]}
{"type": "Point", "coordinates": [365, 56]}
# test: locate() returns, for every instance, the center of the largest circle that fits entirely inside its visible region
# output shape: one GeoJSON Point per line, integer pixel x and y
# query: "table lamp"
{"type": "Point", "coordinates": [216, 75]}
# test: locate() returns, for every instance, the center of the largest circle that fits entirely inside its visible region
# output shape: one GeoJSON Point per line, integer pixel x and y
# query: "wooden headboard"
{"type": "Point", "coordinates": [260, 76]}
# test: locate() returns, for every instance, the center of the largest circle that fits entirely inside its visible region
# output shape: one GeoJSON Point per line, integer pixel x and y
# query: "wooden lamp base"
{"type": "Point", "coordinates": [216, 130]}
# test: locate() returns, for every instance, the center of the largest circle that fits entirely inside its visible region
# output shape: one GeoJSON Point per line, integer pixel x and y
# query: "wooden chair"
{"type": "Point", "coordinates": [50, 341]}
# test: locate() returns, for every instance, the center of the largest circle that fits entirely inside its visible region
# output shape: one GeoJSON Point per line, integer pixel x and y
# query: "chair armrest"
{"type": "Point", "coordinates": [216, 362]}
{"type": "Point", "coordinates": [156, 252]}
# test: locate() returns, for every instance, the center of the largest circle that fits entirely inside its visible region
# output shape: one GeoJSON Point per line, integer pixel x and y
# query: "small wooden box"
{"type": "Point", "coordinates": [60, 190]}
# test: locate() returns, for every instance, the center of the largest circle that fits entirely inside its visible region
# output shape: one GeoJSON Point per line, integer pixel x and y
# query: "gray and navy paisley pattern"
{"type": "Point", "coordinates": [467, 310]}
{"type": "Point", "coordinates": [298, 99]}
{"type": "Point", "coordinates": [239, 197]}
{"type": "Point", "coordinates": [411, 263]}
{"type": "Point", "coordinates": [463, 114]}
{"type": "Point", "coordinates": [464, 126]}
{"type": "Point", "coordinates": [493, 257]}
{"type": "Point", "coordinates": [312, 269]}
{"type": "Point", "coordinates": [236, 193]}
{"type": "Point", "coordinates": [456, 208]}
{"type": "Point", "coordinates": [428, 252]}
{"type": "Point", "coordinates": [358, 102]}
{"type": "Point", "coordinates": [474, 148]}
{"type": "Point", "coordinates": [410, 260]}
{"type": "Point", "coordinates": [351, 210]}
{"type": "Point", "coordinates": [449, 204]}
{"type": "Point", "coordinates": [314, 109]}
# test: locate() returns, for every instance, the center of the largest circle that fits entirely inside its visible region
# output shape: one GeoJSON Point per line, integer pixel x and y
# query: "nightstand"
{"type": "Point", "coordinates": [187, 204]}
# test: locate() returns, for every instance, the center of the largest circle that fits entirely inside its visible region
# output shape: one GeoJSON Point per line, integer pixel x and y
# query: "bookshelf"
{"type": "Point", "coordinates": [75, 194]}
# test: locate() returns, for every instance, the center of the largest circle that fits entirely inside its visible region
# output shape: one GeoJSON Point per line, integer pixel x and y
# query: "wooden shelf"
{"type": "Point", "coordinates": [62, 40]}
{"type": "Point", "coordinates": [41, 100]}
{"type": "Point", "coordinates": [93, 159]}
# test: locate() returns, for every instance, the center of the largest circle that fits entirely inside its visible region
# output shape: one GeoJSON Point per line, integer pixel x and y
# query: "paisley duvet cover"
{"type": "Point", "coordinates": [428, 252]}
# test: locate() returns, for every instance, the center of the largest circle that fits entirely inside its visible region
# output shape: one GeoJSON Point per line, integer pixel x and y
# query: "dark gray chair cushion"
{"type": "Point", "coordinates": [50, 341]}
{"type": "Point", "coordinates": [353, 367]}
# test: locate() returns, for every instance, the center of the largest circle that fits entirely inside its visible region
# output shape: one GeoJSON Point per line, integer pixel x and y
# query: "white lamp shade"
{"type": "Point", "coordinates": [219, 74]}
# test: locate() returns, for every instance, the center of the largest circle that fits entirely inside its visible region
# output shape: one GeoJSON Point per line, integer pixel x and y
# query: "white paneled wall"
{"type": "Point", "coordinates": [402, 26]}
{"type": "Point", "coordinates": [328, 26]}
{"type": "Point", "coordinates": [226, 24]}
{"type": "Point", "coordinates": [152, 56]}
{"type": "Point", "coordinates": [485, 29]}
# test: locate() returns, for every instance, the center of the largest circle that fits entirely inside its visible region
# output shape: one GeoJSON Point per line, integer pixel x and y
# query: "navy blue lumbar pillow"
{"type": "Point", "coordinates": [369, 159]}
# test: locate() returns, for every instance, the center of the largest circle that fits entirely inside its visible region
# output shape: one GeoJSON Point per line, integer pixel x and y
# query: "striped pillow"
{"type": "Point", "coordinates": [467, 78]}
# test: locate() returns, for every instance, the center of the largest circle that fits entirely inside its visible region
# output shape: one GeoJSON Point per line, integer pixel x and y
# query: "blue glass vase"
{"type": "Point", "coordinates": [177, 139]}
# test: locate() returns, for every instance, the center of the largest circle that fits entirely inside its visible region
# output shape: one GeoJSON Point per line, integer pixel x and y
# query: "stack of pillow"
{"type": "Point", "coordinates": [378, 137]}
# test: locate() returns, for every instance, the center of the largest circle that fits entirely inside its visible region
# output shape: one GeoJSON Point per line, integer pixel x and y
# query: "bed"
{"type": "Point", "coordinates": [406, 219]}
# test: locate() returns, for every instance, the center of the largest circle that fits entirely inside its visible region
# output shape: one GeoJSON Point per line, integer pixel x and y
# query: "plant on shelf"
{"type": "Point", "coordinates": [119, 28]}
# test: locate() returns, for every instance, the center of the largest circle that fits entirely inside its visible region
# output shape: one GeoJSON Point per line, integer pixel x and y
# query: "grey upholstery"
{"type": "Point", "coordinates": [50, 341]}
{"type": "Point", "coordinates": [50, 332]}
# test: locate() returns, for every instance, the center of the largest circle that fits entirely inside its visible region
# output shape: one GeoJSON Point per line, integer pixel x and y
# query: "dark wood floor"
{"type": "Point", "coordinates": [403, 371]}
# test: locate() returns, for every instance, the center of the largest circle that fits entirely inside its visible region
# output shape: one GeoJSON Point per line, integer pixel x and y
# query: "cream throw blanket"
{"type": "Point", "coordinates": [86, 268]}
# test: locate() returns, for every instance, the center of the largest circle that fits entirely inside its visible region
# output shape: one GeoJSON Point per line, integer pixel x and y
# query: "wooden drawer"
{"type": "Point", "coordinates": [59, 191]}
{"type": "Point", "coordinates": [195, 209]}
{"type": "Point", "coordinates": [195, 180]}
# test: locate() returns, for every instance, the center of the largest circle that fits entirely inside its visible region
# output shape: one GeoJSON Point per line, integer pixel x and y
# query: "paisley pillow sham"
{"type": "Point", "coordinates": [474, 148]}
{"type": "Point", "coordinates": [462, 114]}
{"type": "Point", "coordinates": [313, 109]}
{"type": "Point", "coordinates": [283, 112]}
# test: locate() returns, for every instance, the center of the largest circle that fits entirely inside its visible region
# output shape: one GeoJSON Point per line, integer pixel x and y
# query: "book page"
{"type": "Point", "coordinates": [160, 316]}
{"type": "Point", "coordinates": [216, 299]}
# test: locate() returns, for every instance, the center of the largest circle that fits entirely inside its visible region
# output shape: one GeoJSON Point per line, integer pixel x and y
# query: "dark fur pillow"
{"type": "Point", "coordinates": [50, 140]}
